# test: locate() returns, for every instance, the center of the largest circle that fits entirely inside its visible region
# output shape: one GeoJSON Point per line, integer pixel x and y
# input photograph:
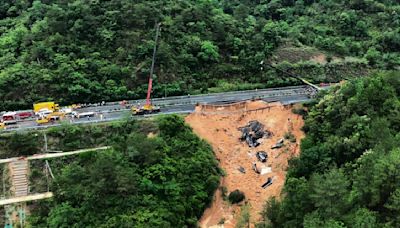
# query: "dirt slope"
{"type": "Point", "coordinates": [218, 126]}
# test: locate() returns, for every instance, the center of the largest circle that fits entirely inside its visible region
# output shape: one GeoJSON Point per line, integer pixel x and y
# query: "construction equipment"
{"type": "Point", "coordinates": [52, 117]}
{"type": "Point", "coordinates": [45, 106]}
{"type": "Point", "coordinates": [149, 108]}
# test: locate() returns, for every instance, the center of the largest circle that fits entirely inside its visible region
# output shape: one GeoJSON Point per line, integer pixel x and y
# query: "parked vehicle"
{"type": "Point", "coordinates": [44, 112]}
{"type": "Point", "coordinates": [24, 115]}
{"type": "Point", "coordinates": [84, 114]}
{"type": "Point", "coordinates": [7, 125]}
{"type": "Point", "coordinates": [49, 118]}
{"type": "Point", "coordinates": [51, 106]}
{"type": "Point", "coordinates": [9, 118]}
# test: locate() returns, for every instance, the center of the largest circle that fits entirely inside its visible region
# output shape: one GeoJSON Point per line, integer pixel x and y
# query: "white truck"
{"type": "Point", "coordinates": [84, 114]}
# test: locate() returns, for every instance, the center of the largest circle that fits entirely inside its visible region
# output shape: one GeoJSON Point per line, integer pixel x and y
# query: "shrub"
{"type": "Point", "coordinates": [289, 136]}
{"type": "Point", "coordinates": [300, 111]}
{"type": "Point", "coordinates": [236, 196]}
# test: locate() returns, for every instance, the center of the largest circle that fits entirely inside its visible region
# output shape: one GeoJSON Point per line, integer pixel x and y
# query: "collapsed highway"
{"type": "Point", "coordinates": [178, 104]}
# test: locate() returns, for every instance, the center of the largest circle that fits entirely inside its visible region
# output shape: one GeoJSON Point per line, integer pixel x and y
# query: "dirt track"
{"type": "Point", "coordinates": [219, 126]}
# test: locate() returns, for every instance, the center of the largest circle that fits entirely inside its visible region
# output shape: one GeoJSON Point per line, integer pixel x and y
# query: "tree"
{"type": "Point", "coordinates": [330, 193]}
{"type": "Point", "coordinates": [209, 52]}
{"type": "Point", "coordinates": [236, 196]}
{"type": "Point", "coordinates": [364, 218]}
{"type": "Point", "coordinates": [22, 144]}
{"type": "Point", "coordinates": [163, 181]}
{"type": "Point", "coordinates": [347, 173]}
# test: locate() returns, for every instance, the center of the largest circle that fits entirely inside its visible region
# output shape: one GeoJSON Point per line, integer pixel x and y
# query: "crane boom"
{"type": "Point", "coordinates": [150, 85]}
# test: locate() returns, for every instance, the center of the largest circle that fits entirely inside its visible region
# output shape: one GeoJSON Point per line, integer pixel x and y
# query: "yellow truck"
{"type": "Point", "coordinates": [50, 106]}
{"type": "Point", "coordinates": [50, 118]}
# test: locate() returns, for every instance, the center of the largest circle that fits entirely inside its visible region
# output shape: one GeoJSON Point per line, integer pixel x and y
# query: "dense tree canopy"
{"type": "Point", "coordinates": [348, 172]}
{"type": "Point", "coordinates": [159, 181]}
{"type": "Point", "coordinates": [89, 51]}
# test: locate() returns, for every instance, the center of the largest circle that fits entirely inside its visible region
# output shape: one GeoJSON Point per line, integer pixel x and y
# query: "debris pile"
{"type": "Point", "coordinates": [241, 169]}
{"type": "Point", "coordinates": [258, 177]}
{"type": "Point", "coordinates": [252, 132]}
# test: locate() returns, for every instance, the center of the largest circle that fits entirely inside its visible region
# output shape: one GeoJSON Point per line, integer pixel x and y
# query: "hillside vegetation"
{"type": "Point", "coordinates": [348, 172]}
{"type": "Point", "coordinates": [157, 174]}
{"type": "Point", "coordinates": [89, 51]}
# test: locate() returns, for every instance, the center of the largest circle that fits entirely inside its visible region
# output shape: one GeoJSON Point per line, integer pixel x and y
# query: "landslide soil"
{"type": "Point", "coordinates": [219, 126]}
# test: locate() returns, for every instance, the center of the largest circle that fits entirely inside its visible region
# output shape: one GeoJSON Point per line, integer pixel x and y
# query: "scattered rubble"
{"type": "Point", "coordinates": [254, 166]}
{"type": "Point", "coordinates": [234, 154]}
{"type": "Point", "coordinates": [266, 170]}
{"type": "Point", "coordinates": [278, 144]}
{"type": "Point", "coordinates": [253, 132]}
{"type": "Point", "coordinates": [262, 156]}
{"type": "Point", "coordinates": [268, 183]}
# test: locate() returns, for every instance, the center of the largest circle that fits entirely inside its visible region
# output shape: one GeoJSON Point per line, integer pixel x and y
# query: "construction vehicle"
{"type": "Point", "coordinates": [149, 108]}
{"type": "Point", "coordinates": [50, 118]}
{"type": "Point", "coordinates": [45, 106]}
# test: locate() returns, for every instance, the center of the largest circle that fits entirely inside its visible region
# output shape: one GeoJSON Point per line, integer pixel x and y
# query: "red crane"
{"type": "Point", "coordinates": [148, 108]}
{"type": "Point", "coordinates": [153, 60]}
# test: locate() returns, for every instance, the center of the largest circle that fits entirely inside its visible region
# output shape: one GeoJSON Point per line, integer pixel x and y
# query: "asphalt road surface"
{"type": "Point", "coordinates": [179, 104]}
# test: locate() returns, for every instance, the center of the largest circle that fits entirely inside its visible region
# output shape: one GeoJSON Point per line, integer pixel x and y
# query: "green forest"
{"type": "Point", "coordinates": [157, 174]}
{"type": "Point", "coordinates": [348, 172]}
{"type": "Point", "coordinates": [93, 50]}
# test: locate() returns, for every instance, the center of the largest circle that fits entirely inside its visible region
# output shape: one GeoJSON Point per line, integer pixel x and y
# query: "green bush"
{"type": "Point", "coordinates": [300, 111]}
{"type": "Point", "coordinates": [289, 136]}
{"type": "Point", "coordinates": [236, 196]}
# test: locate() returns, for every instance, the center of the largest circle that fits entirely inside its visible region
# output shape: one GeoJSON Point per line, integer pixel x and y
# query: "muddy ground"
{"type": "Point", "coordinates": [219, 126]}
